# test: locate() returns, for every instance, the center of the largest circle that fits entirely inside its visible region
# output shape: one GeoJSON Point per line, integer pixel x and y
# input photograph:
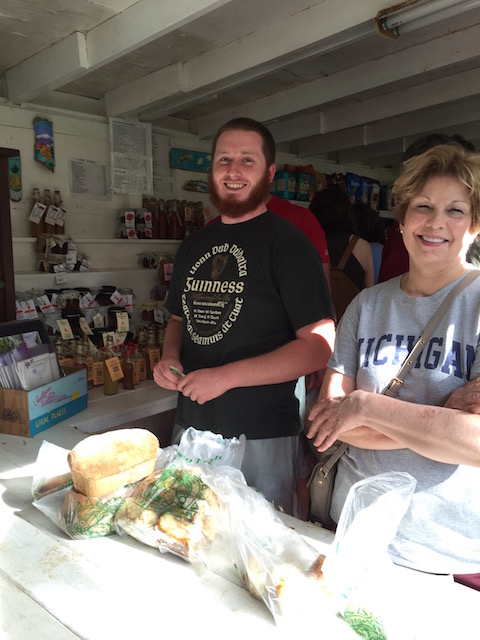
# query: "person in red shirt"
{"type": "Point", "coordinates": [307, 223]}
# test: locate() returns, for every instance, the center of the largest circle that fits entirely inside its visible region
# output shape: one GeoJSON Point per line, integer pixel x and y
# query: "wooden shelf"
{"type": "Point", "coordinates": [109, 241]}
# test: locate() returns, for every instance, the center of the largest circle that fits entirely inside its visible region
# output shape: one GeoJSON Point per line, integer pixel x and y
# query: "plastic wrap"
{"type": "Point", "coordinates": [358, 569]}
{"type": "Point", "coordinates": [174, 508]}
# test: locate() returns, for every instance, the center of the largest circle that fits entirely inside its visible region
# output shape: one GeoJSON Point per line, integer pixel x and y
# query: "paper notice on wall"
{"type": "Point", "coordinates": [131, 157]}
{"type": "Point", "coordinates": [89, 179]}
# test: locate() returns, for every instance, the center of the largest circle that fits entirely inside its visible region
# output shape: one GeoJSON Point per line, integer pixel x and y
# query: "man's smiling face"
{"type": "Point", "coordinates": [239, 179]}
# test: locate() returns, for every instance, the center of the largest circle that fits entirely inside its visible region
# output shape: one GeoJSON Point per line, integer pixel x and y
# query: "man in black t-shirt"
{"type": "Point", "coordinates": [251, 313]}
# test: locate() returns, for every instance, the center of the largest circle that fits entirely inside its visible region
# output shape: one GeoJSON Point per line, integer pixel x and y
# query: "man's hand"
{"type": "Point", "coordinates": [466, 398]}
{"type": "Point", "coordinates": [163, 375]}
{"type": "Point", "coordinates": [203, 385]}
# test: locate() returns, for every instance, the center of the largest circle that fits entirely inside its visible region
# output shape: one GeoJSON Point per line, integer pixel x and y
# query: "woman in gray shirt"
{"type": "Point", "coordinates": [430, 430]}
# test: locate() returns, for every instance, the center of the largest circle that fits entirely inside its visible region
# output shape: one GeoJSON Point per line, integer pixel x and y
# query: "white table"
{"type": "Point", "coordinates": [61, 589]}
{"type": "Point", "coordinates": [107, 412]}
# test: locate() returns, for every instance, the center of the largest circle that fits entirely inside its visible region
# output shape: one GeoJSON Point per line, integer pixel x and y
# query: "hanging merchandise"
{"type": "Point", "coordinates": [15, 178]}
{"type": "Point", "coordinates": [44, 142]}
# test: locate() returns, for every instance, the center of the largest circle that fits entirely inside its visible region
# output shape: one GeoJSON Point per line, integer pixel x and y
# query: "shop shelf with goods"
{"type": "Point", "coordinates": [112, 261]}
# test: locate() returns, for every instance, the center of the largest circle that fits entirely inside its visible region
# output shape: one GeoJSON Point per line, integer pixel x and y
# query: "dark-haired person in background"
{"type": "Point", "coordinates": [334, 211]}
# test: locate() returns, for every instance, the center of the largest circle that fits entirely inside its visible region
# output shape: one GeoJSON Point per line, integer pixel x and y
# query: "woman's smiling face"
{"type": "Point", "coordinates": [437, 225]}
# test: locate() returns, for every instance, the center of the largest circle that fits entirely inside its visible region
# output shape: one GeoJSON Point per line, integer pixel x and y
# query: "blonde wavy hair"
{"type": "Point", "coordinates": [450, 160]}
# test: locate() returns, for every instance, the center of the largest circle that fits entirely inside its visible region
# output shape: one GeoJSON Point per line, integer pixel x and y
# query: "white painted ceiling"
{"type": "Point", "coordinates": [315, 71]}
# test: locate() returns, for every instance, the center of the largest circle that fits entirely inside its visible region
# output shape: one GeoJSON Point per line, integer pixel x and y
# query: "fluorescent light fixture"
{"type": "Point", "coordinates": [397, 20]}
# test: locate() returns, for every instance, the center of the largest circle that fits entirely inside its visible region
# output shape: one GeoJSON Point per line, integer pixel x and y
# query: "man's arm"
{"type": "Point", "coordinates": [309, 351]}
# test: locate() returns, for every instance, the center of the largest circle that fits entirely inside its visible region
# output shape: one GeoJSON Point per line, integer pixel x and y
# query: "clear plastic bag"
{"type": "Point", "coordinates": [256, 549]}
{"type": "Point", "coordinates": [79, 516]}
{"type": "Point", "coordinates": [358, 569]}
{"type": "Point", "coordinates": [175, 509]}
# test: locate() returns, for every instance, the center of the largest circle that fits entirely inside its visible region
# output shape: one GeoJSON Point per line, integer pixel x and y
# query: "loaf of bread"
{"type": "Point", "coordinates": [105, 462]}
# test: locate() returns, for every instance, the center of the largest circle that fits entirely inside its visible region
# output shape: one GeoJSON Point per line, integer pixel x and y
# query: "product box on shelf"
{"type": "Point", "coordinates": [26, 413]}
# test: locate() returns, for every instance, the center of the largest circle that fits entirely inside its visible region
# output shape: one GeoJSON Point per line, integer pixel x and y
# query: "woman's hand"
{"type": "Point", "coordinates": [332, 416]}
{"type": "Point", "coordinates": [466, 398]}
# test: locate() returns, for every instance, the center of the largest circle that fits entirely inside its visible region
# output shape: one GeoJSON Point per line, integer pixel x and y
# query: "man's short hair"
{"type": "Point", "coordinates": [248, 124]}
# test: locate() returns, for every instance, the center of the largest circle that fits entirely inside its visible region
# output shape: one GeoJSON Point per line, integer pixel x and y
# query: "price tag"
{"type": "Point", "coordinates": [29, 309]}
{"type": "Point", "coordinates": [116, 297]}
{"type": "Point", "coordinates": [87, 301]}
{"type": "Point", "coordinates": [98, 321]}
{"type": "Point", "coordinates": [108, 338]}
{"type": "Point", "coordinates": [114, 368]}
{"type": "Point", "coordinates": [19, 314]}
{"type": "Point", "coordinates": [61, 277]}
{"type": "Point", "coordinates": [65, 329]}
{"type": "Point", "coordinates": [122, 321]}
{"type": "Point", "coordinates": [51, 216]}
{"type": "Point", "coordinates": [119, 338]}
{"type": "Point", "coordinates": [37, 212]}
{"type": "Point", "coordinates": [45, 304]}
{"type": "Point", "coordinates": [85, 328]}
{"type": "Point", "coordinates": [61, 213]}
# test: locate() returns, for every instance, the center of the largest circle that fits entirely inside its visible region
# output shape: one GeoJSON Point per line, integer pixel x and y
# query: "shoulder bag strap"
{"type": "Point", "coordinates": [347, 252]}
{"type": "Point", "coordinates": [396, 382]}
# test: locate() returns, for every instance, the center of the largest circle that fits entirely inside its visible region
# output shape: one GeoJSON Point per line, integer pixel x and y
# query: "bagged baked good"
{"type": "Point", "coordinates": [108, 461]}
{"type": "Point", "coordinates": [51, 471]}
{"type": "Point", "coordinates": [173, 509]}
{"type": "Point", "coordinates": [82, 517]}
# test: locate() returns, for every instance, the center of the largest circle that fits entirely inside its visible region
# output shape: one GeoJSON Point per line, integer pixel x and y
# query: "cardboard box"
{"type": "Point", "coordinates": [26, 413]}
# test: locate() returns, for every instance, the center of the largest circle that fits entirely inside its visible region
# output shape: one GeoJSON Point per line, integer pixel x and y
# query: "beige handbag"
{"type": "Point", "coordinates": [322, 478]}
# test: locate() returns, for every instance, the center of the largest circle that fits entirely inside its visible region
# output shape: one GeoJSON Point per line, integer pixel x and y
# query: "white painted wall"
{"type": "Point", "coordinates": [84, 136]}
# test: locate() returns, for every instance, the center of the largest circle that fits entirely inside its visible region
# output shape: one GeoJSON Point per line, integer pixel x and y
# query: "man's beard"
{"type": "Point", "coordinates": [231, 209]}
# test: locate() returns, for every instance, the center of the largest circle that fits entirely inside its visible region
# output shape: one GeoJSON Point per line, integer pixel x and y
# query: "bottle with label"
{"type": "Point", "coordinates": [152, 351]}
{"type": "Point", "coordinates": [60, 221]}
{"type": "Point", "coordinates": [162, 220]}
{"type": "Point", "coordinates": [128, 371]}
{"type": "Point", "coordinates": [141, 361]}
{"type": "Point", "coordinates": [81, 362]}
{"type": "Point", "coordinates": [47, 201]}
{"type": "Point", "coordinates": [110, 385]}
{"type": "Point", "coordinates": [37, 214]}
{"type": "Point", "coordinates": [97, 368]}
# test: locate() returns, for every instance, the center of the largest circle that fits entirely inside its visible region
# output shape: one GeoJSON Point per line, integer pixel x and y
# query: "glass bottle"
{"type": "Point", "coordinates": [110, 386]}
{"type": "Point", "coordinates": [141, 355]}
{"type": "Point", "coordinates": [47, 201]}
{"type": "Point", "coordinates": [81, 362]}
{"type": "Point", "coordinates": [152, 351]}
{"type": "Point", "coordinates": [97, 368]}
{"type": "Point", "coordinates": [162, 220]}
{"type": "Point", "coordinates": [36, 228]}
{"type": "Point", "coordinates": [57, 201]}
{"type": "Point", "coordinates": [128, 367]}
